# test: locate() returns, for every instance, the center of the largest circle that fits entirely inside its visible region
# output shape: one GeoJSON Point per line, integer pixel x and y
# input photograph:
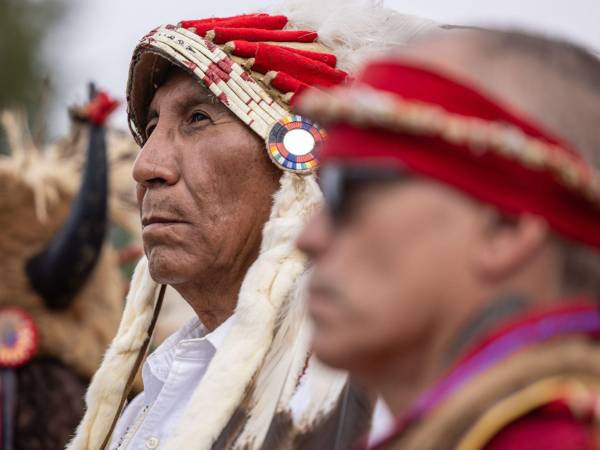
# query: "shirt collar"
{"type": "Point", "coordinates": [217, 336]}
{"type": "Point", "coordinates": [194, 336]}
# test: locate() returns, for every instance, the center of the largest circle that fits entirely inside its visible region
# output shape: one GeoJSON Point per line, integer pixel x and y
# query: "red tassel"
{"type": "Point", "coordinates": [222, 35]}
{"type": "Point", "coordinates": [247, 49]}
{"type": "Point", "coordinates": [259, 21]}
{"type": "Point", "coordinates": [284, 82]}
{"type": "Point", "coordinates": [216, 20]}
{"type": "Point", "coordinates": [303, 69]}
{"type": "Point", "coordinates": [288, 85]}
{"type": "Point", "coordinates": [244, 49]}
{"type": "Point", "coordinates": [98, 110]}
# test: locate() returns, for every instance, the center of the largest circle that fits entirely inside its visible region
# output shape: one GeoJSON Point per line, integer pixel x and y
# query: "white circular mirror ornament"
{"type": "Point", "coordinates": [292, 143]}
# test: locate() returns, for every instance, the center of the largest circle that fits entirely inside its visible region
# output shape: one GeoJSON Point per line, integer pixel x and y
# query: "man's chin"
{"type": "Point", "coordinates": [331, 352]}
{"type": "Point", "coordinates": [165, 270]}
{"type": "Point", "coordinates": [343, 356]}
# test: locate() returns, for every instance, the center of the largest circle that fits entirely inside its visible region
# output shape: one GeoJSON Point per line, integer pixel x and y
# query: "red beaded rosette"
{"type": "Point", "coordinates": [18, 338]}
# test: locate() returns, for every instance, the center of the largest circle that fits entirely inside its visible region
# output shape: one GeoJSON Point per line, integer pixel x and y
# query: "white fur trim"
{"type": "Point", "coordinates": [290, 382]}
{"type": "Point", "coordinates": [109, 382]}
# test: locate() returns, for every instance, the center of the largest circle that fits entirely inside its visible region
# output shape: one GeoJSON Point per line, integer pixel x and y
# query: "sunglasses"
{"type": "Point", "coordinates": [341, 182]}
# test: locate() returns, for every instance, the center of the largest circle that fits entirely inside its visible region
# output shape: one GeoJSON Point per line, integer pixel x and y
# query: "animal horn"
{"type": "Point", "coordinates": [60, 270]}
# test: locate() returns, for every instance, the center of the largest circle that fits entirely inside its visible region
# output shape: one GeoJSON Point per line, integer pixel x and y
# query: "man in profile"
{"type": "Point", "coordinates": [457, 263]}
{"type": "Point", "coordinates": [226, 181]}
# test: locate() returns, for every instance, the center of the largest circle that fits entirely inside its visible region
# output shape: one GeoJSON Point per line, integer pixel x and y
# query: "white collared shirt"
{"type": "Point", "coordinates": [170, 375]}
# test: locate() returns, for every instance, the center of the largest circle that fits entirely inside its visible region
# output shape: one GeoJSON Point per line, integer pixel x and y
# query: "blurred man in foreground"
{"type": "Point", "coordinates": [456, 263]}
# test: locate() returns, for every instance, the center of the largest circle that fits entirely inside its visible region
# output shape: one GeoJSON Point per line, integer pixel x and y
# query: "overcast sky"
{"type": "Point", "coordinates": [96, 37]}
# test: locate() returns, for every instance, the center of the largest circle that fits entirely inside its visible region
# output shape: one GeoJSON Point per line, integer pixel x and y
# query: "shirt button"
{"type": "Point", "coordinates": [152, 443]}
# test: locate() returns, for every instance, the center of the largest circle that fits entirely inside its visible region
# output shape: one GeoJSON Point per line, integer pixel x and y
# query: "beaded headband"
{"type": "Point", "coordinates": [451, 132]}
{"type": "Point", "coordinates": [253, 66]}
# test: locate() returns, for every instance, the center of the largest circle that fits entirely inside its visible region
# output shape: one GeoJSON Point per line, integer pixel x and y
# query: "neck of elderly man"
{"type": "Point", "coordinates": [205, 187]}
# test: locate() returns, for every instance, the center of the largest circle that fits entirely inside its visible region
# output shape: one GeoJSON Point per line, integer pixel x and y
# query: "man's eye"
{"type": "Point", "coordinates": [149, 129]}
{"type": "Point", "coordinates": [198, 117]}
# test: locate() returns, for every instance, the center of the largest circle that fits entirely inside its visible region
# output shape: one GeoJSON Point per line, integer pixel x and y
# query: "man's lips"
{"type": "Point", "coordinates": [321, 298]}
{"type": "Point", "coordinates": [156, 221]}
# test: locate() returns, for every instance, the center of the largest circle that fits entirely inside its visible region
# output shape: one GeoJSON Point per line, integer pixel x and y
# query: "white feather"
{"type": "Point", "coordinates": [356, 30]}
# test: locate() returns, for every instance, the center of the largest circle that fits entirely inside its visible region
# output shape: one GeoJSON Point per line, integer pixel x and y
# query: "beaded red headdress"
{"type": "Point", "coordinates": [443, 129]}
{"type": "Point", "coordinates": [253, 65]}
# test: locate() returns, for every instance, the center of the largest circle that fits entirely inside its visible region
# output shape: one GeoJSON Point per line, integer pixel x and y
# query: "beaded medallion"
{"type": "Point", "coordinates": [293, 142]}
{"type": "Point", "coordinates": [18, 338]}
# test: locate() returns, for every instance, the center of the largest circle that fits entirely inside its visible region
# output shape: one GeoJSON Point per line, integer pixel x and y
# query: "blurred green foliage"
{"type": "Point", "coordinates": [120, 238]}
{"type": "Point", "coordinates": [23, 74]}
{"type": "Point", "coordinates": [23, 27]}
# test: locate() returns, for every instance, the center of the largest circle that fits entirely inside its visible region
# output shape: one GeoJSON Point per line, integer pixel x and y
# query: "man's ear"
{"type": "Point", "coordinates": [507, 243]}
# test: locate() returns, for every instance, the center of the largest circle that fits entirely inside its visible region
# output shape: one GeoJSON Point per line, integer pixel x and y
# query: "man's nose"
{"type": "Point", "coordinates": [157, 162]}
{"type": "Point", "coordinates": [316, 235]}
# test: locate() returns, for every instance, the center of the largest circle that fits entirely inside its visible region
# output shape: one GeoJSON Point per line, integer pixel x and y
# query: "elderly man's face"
{"type": "Point", "coordinates": [205, 186]}
{"type": "Point", "coordinates": [387, 273]}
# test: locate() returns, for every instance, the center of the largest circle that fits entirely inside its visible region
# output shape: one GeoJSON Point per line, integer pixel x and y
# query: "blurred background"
{"type": "Point", "coordinates": [50, 49]}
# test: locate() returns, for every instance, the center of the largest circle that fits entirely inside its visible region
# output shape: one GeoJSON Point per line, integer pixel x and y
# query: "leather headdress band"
{"type": "Point", "coordinates": [443, 129]}
{"type": "Point", "coordinates": [252, 65]}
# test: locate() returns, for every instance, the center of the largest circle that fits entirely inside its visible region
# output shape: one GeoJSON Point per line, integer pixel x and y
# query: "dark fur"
{"type": "Point", "coordinates": [49, 405]}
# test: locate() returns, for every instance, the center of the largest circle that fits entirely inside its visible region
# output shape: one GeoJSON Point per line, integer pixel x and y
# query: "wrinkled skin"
{"type": "Point", "coordinates": [205, 187]}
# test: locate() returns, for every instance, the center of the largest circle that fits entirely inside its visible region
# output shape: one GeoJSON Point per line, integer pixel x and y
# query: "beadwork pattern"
{"type": "Point", "coordinates": [364, 106]}
{"type": "Point", "coordinates": [220, 74]}
{"type": "Point", "coordinates": [254, 64]}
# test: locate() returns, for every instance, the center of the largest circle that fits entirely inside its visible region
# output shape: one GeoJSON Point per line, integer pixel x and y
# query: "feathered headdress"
{"type": "Point", "coordinates": [262, 388]}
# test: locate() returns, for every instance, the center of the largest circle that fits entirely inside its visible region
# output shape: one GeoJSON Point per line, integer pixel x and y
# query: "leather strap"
{"type": "Point", "coordinates": [136, 366]}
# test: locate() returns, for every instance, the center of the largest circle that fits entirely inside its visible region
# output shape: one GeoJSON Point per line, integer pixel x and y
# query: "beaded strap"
{"type": "Point", "coordinates": [364, 106]}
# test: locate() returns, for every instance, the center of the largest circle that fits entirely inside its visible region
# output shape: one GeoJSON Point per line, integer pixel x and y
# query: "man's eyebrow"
{"type": "Point", "coordinates": [151, 114]}
{"type": "Point", "coordinates": [185, 103]}
{"type": "Point", "coordinates": [193, 100]}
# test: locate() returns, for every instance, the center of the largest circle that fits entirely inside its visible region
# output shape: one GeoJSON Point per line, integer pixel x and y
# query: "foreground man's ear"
{"type": "Point", "coordinates": [507, 243]}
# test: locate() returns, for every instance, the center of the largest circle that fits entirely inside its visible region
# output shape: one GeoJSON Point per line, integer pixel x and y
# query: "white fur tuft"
{"type": "Point", "coordinates": [355, 30]}
{"type": "Point", "coordinates": [109, 382]}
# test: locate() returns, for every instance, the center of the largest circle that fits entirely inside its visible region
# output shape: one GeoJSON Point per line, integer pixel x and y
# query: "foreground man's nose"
{"type": "Point", "coordinates": [316, 233]}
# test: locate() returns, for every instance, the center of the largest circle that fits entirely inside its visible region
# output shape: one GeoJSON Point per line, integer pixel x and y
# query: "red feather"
{"type": "Point", "coordinates": [258, 21]}
{"type": "Point", "coordinates": [306, 70]}
{"type": "Point", "coordinates": [223, 35]}
{"type": "Point", "coordinates": [247, 49]}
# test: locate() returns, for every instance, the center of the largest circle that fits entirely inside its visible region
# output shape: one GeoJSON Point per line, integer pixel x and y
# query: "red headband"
{"type": "Point", "coordinates": [448, 131]}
